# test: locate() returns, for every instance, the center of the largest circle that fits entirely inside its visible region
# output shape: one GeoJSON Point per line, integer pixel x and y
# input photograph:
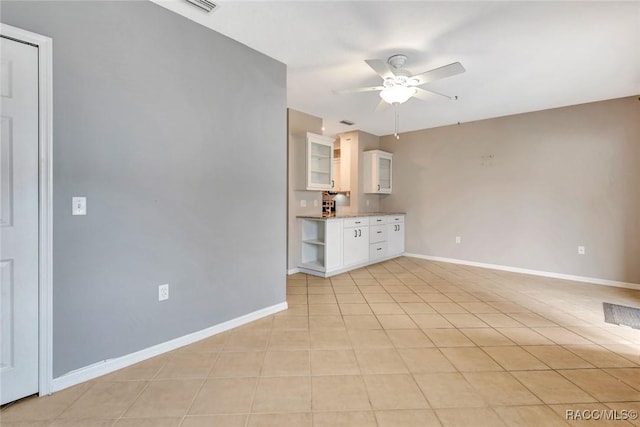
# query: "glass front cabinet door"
{"type": "Point", "coordinates": [378, 172]}
{"type": "Point", "coordinates": [318, 162]}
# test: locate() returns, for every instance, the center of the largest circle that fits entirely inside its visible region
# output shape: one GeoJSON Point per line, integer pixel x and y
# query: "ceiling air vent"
{"type": "Point", "coordinates": [346, 122]}
{"type": "Point", "coordinates": [205, 5]}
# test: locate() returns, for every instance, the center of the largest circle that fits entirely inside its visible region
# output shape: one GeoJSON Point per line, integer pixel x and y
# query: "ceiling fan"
{"type": "Point", "coordinates": [399, 85]}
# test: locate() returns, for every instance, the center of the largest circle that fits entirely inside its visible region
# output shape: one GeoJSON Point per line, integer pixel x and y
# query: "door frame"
{"type": "Point", "coordinates": [45, 200]}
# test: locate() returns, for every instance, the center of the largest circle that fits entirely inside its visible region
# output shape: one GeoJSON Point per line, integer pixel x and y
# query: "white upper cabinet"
{"type": "Point", "coordinates": [318, 169]}
{"type": "Point", "coordinates": [342, 165]}
{"type": "Point", "coordinates": [378, 172]}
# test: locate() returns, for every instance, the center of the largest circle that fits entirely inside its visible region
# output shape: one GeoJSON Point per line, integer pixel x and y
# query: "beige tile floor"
{"type": "Point", "coordinates": [402, 343]}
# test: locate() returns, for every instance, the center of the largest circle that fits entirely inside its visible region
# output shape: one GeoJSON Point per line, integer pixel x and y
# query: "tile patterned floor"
{"type": "Point", "coordinates": [402, 343]}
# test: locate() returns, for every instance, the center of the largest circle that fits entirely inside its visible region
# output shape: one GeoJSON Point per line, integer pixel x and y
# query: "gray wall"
{"type": "Point", "coordinates": [177, 136]}
{"type": "Point", "coordinates": [526, 190]}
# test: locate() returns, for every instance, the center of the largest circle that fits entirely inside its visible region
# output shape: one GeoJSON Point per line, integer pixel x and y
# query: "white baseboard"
{"type": "Point", "coordinates": [107, 366]}
{"type": "Point", "coordinates": [293, 271]}
{"type": "Point", "coordinates": [591, 280]}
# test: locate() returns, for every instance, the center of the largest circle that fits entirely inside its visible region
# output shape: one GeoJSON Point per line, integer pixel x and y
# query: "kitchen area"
{"type": "Point", "coordinates": [335, 188]}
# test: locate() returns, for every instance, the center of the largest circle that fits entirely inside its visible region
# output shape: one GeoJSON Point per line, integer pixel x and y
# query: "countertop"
{"type": "Point", "coordinates": [351, 215]}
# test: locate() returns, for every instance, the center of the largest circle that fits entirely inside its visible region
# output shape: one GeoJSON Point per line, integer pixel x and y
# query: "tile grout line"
{"type": "Point", "coordinates": [458, 286]}
{"type": "Point", "coordinates": [204, 380]}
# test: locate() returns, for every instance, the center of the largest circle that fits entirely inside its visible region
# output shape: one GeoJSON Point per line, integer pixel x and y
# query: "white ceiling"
{"type": "Point", "coordinates": [519, 56]}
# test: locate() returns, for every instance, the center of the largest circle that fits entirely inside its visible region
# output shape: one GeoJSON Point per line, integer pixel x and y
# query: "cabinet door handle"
{"type": "Point", "coordinates": [379, 249]}
{"type": "Point", "coordinates": [379, 232]}
{"type": "Point", "coordinates": [357, 222]}
{"type": "Point", "coordinates": [378, 187]}
{"type": "Point", "coordinates": [359, 233]}
{"type": "Point", "coordinates": [355, 231]}
{"type": "Point", "coordinates": [333, 183]}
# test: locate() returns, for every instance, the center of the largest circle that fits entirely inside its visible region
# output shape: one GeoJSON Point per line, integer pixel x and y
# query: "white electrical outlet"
{"type": "Point", "coordinates": [303, 203]}
{"type": "Point", "coordinates": [163, 292]}
{"type": "Point", "coordinates": [458, 239]}
{"type": "Point", "coordinates": [581, 250]}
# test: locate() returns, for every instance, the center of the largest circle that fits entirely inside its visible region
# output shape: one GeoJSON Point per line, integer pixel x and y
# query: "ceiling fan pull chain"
{"type": "Point", "coordinates": [397, 106]}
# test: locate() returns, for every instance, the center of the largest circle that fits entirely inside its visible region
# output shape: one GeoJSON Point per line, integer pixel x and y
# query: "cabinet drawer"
{"type": "Point", "coordinates": [355, 222]}
{"type": "Point", "coordinates": [373, 220]}
{"type": "Point", "coordinates": [395, 218]}
{"type": "Point", "coordinates": [377, 233]}
{"type": "Point", "coordinates": [377, 251]}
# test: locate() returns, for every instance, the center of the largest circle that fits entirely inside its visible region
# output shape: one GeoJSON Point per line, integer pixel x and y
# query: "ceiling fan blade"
{"type": "Point", "coordinates": [439, 73]}
{"type": "Point", "coordinates": [380, 67]}
{"type": "Point", "coordinates": [359, 89]}
{"type": "Point", "coordinates": [382, 105]}
{"type": "Point", "coordinates": [425, 94]}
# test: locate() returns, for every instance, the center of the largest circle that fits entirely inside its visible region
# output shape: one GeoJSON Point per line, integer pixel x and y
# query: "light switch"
{"type": "Point", "coordinates": [78, 205]}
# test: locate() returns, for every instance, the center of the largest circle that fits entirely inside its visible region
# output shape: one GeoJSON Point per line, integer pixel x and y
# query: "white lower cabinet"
{"type": "Point", "coordinates": [331, 246]}
{"type": "Point", "coordinates": [355, 241]}
{"type": "Point", "coordinates": [321, 244]}
{"type": "Point", "coordinates": [395, 235]}
{"type": "Point", "coordinates": [378, 238]}
{"type": "Point", "coordinates": [378, 233]}
{"type": "Point", "coordinates": [377, 251]}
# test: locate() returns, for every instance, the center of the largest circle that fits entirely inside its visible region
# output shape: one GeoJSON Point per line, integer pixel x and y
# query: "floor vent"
{"type": "Point", "coordinates": [621, 315]}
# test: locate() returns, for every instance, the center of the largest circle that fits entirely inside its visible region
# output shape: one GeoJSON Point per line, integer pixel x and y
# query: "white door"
{"type": "Point", "coordinates": [18, 220]}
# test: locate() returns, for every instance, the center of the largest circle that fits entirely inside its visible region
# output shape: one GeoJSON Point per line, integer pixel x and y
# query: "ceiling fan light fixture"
{"type": "Point", "coordinates": [397, 94]}
{"type": "Point", "coordinates": [205, 5]}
